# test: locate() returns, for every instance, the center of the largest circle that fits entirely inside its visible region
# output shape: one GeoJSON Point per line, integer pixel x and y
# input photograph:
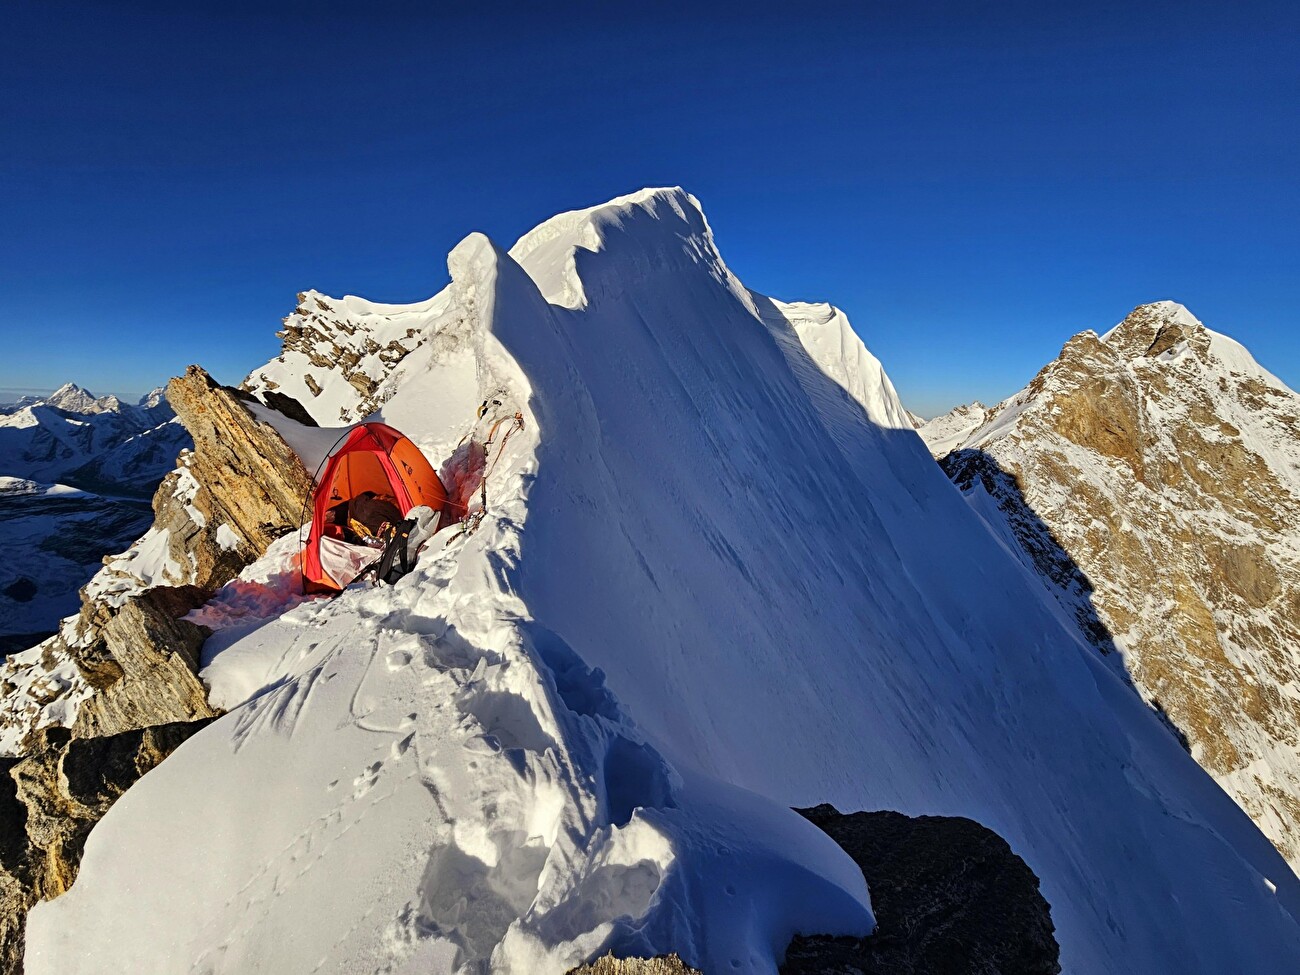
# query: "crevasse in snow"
{"type": "Point", "coordinates": [719, 576]}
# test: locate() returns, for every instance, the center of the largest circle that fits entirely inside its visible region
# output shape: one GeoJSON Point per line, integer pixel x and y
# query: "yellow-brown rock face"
{"type": "Point", "coordinates": [1152, 475]}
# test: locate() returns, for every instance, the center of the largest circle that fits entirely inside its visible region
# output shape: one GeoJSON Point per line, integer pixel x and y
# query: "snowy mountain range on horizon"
{"type": "Point", "coordinates": [76, 473]}
{"type": "Point", "coordinates": [719, 575]}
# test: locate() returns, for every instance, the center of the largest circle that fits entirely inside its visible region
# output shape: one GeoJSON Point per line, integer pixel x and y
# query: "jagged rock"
{"type": "Point", "coordinates": [661, 965]}
{"type": "Point", "coordinates": [50, 799]}
{"type": "Point", "coordinates": [950, 898]}
{"type": "Point", "coordinates": [247, 479]}
{"type": "Point", "coordinates": [1152, 477]}
{"type": "Point", "coordinates": [151, 661]}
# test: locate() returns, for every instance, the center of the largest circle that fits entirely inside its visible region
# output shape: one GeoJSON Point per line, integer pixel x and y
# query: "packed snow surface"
{"type": "Point", "coordinates": [718, 576]}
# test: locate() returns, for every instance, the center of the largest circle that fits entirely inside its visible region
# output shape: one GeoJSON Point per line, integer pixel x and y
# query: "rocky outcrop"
{"type": "Point", "coordinates": [609, 965]}
{"type": "Point", "coordinates": [1152, 477]}
{"type": "Point", "coordinates": [238, 490]}
{"type": "Point", "coordinates": [950, 898]}
{"type": "Point", "coordinates": [50, 799]}
{"type": "Point", "coordinates": [337, 354]}
{"type": "Point", "coordinates": [144, 666]}
{"type": "Point", "coordinates": [249, 479]}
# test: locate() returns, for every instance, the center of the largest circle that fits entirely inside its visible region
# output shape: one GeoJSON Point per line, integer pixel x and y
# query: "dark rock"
{"type": "Point", "coordinates": [283, 404]}
{"type": "Point", "coordinates": [49, 801]}
{"type": "Point", "coordinates": [659, 965]}
{"type": "Point", "coordinates": [175, 601]}
{"type": "Point", "coordinates": [950, 897]}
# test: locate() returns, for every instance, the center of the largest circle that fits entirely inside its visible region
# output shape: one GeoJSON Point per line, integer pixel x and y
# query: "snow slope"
{"type": "Point", "coordinates": [719, 575]}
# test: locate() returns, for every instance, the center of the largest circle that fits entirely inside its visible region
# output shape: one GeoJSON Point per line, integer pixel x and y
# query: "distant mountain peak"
{"type": "Point", "coordinates": [72, 398]}
{"type": "Point", "coordinates": [153, 398]}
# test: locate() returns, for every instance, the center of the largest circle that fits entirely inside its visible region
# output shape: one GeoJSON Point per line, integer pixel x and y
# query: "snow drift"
{"type": "Point", "coordinates": [719, 575]}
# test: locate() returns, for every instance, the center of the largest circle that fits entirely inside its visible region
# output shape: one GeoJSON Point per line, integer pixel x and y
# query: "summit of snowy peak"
{"type": "Point", "coordinates": [667, 225]}
{"type": "Point", "coordinates": [155, 397]}
{"type": "Point", "coordinates": [73, 398]}
{"type": "Point", "coordinates": [827, 337]}
{"type": "Point", "coordinates": [1163, 331]}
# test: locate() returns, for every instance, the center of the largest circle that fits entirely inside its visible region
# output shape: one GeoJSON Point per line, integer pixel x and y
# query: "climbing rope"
{"type": "Point", "coordinates": [470, 522]}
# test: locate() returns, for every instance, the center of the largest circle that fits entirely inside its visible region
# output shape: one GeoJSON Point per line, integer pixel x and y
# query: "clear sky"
{"type": "Point", "coordinates": [972, 183]}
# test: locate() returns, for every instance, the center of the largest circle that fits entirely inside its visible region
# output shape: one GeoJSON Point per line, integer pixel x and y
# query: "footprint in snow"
{"type": "Point", "coordinates": [364, 782]}
{"type": "Point", "coordinates": [401, 746]}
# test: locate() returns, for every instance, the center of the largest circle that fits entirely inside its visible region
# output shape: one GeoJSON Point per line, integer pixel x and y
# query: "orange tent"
{"type": "Point", "coordinates": [372, 457]}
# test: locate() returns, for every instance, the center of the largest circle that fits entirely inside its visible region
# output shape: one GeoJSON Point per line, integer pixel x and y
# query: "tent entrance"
{"type": "Point", "coordinates": [372, 478]}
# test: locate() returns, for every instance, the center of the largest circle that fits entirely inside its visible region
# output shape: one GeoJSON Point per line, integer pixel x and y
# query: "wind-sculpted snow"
{"type": "Point", "coordinates": [717, 578]}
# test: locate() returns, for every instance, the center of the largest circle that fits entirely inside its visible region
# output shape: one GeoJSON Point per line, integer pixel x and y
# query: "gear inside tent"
{"type": "Point", "coordinates": [369, 482]}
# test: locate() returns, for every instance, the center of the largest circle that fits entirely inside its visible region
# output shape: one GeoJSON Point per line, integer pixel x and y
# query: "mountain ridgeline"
{"type": "Point", "coordinates": [717, 577]}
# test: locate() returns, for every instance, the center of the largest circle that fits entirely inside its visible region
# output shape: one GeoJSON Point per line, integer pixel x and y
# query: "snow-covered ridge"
{"type": "Point", "coordinates": [669, 220]}
{"type": "Point", "coordinates": [712, 582]}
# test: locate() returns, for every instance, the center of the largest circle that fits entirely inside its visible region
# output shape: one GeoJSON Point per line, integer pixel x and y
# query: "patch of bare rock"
{"type": "Point", "coordinates": [950, 898]}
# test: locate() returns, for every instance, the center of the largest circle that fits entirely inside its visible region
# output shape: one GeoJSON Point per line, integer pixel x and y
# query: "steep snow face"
{"type": "Point", "coordinates": [715, 579]}
{"type": "Point", "coordinates": [1153, 475]}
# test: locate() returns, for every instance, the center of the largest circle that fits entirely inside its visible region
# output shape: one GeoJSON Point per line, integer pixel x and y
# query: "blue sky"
{"type": "Point", "coordinates": [972, 183]}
